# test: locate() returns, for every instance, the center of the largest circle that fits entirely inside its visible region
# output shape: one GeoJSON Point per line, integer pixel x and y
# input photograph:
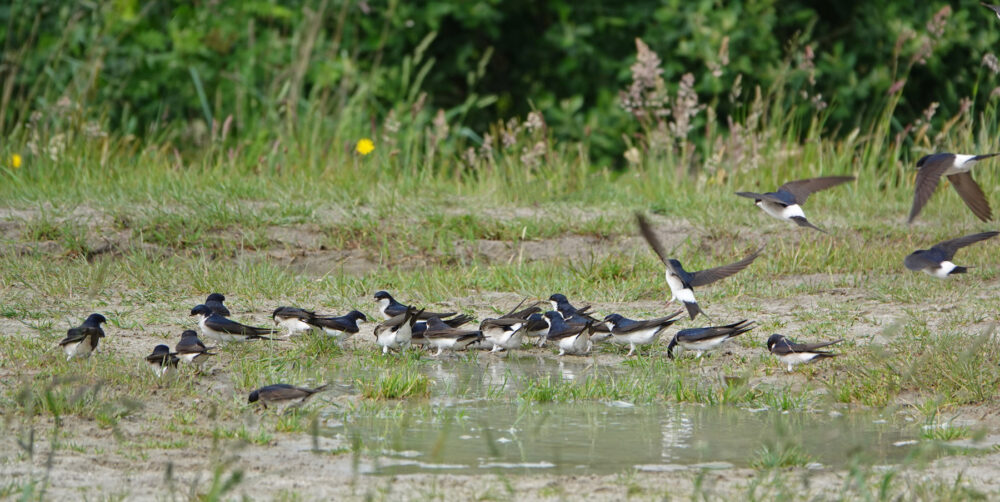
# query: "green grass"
{"type": "Point", "coordinates": [141, 234]}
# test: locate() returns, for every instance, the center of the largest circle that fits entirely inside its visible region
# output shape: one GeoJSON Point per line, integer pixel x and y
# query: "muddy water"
{"type": "Point", "coordinates": [472, 431]}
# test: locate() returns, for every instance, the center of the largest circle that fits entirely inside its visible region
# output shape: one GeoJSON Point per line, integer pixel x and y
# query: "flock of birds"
{"type": "Point", "coordinates": [572, 330]}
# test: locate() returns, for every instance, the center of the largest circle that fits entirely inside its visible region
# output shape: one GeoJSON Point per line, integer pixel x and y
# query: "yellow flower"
{"type": "Point", "coordinates": [15, 161]}
{"type": "Point", "coordinates": [365, 146]}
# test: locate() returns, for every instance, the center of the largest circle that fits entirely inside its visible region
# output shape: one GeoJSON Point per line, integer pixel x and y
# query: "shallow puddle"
{"type": "Point", "coordinates": [470, 434]}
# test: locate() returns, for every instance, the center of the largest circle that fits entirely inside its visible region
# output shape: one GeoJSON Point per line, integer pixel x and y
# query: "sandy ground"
{"type": "Point", "coordinates": [96, 462]}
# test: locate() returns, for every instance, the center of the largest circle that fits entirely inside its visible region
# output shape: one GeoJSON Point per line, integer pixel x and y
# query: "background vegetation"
{"type": "Point", "coordinates": [189, 74]}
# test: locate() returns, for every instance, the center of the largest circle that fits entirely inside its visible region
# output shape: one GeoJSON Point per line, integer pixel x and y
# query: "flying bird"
{"type": "Point", "coordinates": [791, 353]}
{"type": "Point", "coordinates": [282, 394]}
{"type": "Point", "coordinates": [994, 8]}
{"type": "Point", "coordinates": [389, 307]}
{"type": "Point", "coordinates": [701, 340]}
{"type": "Point", "coordinates": [637, 333]}
{"type": "Point", "coordinates": [83, 339]}
{"type": "Point", "coordinates": [936, 261]}
{"type": "Point", "coordinates": [786, 202]}
{"type": "Point", "coordinates": [682, 282]}
{"type": "Point", "coordinates": [956, 167]}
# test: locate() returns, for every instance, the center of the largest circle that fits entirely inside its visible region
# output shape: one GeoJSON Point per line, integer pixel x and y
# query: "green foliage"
{"type": "Point", "coordinates": [322, 70]}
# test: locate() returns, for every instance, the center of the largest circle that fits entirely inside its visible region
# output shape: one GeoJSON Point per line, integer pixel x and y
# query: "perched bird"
{"type": "Point", "coordinates": [504, 333]}
{"type": "Point", "coordinates": [419, 327]}
{"type": "Point", "coordinates": [191, 350]}
{"type": "Point", "coordinates": [442, 336]}
{"type": "Point", "coordinates": [994, 8]}
{"type": "Point", "coordinates": [572, 339]}
{"type": "Point", "coordinates": [599, 330]}
{"type": "Point", "coordinates": [294, 319]}
{"type": "Point", "coordinates": [537, 326]}
{"type": "Point", "coordinates": [956, 167]}
{"type": "Point", "coordinates": [791, 353]}
{"type": "Point", "coordinates": [82, 340]}
{"type": "Point", "coordinates": [162, 360]}
{"type": "Point", "coordinates": [219, 328]}
{"type": "Point", "coordinates": [340, 327]}
{"type": "Point", "coordinates": [214, 302]}
{"type": "Point", "coordinates": [562, 305]}
{"type": "Point", "coordinates": [395, 333]}
{"type": "Point", "coordinates": [936, 261]}
{"type": "Point", "coordinates": [636, 333]}
{"type": "Point", "coordinates": [390, 308]}
{"type": "Point", "coordinates": [786, 203]}
{"type": "Point", "coordinates": [282, 394]}
{"type": "Point", "coordinates": [682, 282]}
{"type": "Point", "coordinates": [703, 340]}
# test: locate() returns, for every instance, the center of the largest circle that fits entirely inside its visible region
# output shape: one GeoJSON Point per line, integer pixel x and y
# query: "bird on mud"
{"type": "Point", "coordinates": [635, 333]}
{"type": "Point", "coordinates": [282, 395]}
{"type": "Point", "coordinates": [791, 354]}
{"type": "Point", "coordinates": [389, 308]}
{"type": "Point", "coordinates": [701, 340]}
{"type": "Point", "coordinates": [82, 340]}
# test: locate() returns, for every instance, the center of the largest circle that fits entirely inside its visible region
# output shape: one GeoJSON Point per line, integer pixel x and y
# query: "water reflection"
{"type": "Point", "coordinates": [459, 431]}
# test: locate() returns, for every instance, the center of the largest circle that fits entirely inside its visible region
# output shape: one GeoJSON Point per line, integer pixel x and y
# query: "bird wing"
{"type": "Point", "coordinates": [223, 325]}
{"type": "Point", "coordinates": [950, 247]}
{"type": "Point", "coordinates": [80, 332]}
{"type": "Point", "coordinates": [918, 261]}
{"type": "Point", "coordinates": [285, 392]}
{"type": "Point", "coordinates": [927, 180]}
{"type": "Point", "coordinates": [772, 197]}
{"type": "Point", "coordinates": [703, 277]}
{"type": "Point", "coordinates": [458, 320]}
{"type": "Point", "coordinates": [973, 196]}
{"type": "Point", "coordinates": [802, 189]}
{"type": "Point", "coordinates": [522, 314]}
{"type": "Point", "coordinates": [338, 323]}
{"type": "Point", "coordinates": [811, 347]}
{"type": "Point", "coordinates": [650, 236]}
{"type": "Point", "coordinates": [649, 323]}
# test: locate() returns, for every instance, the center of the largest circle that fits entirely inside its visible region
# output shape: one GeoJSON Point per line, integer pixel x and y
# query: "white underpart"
{"type": "Point", "coordinates": [678, 290]}
{"type": "Point", "coordinates": [398, 339]}
{"type": "Point", "coordinates": [794, 358]}
{"type": "Point", "coordinates": [780, 211]}
{"type": "Point", "coordinates": [159, 369]}
{"type": "Point", "coordinates": [505, 338]}
{"type": "Point", "coordinates": [578, 344]}
{"type": "Point", "coordinates": [942, 270]}
{"type": "Point", "coordinates": [442, 343]}
{"type": "Point", "coordinates": [702, 346]}
{"type": "Point", "coordinates": [78, 349]}
{"type": "Point", "coordinates": [335, 333]}
{"type": "Point", "coordinates": [382, 305]}
{"type": "Point", "coordinates": [192, 357]}
{"type": "Point", "coordinates": [963, 163]}
{"type": "Point", "coordinates": [639, 337]}
{"type": "Point", "coordinates": [293, 324]}
{"type": "Point", "coordinates": [555, 306]}
{"type": "Point", "coordinates": [218, 335]}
